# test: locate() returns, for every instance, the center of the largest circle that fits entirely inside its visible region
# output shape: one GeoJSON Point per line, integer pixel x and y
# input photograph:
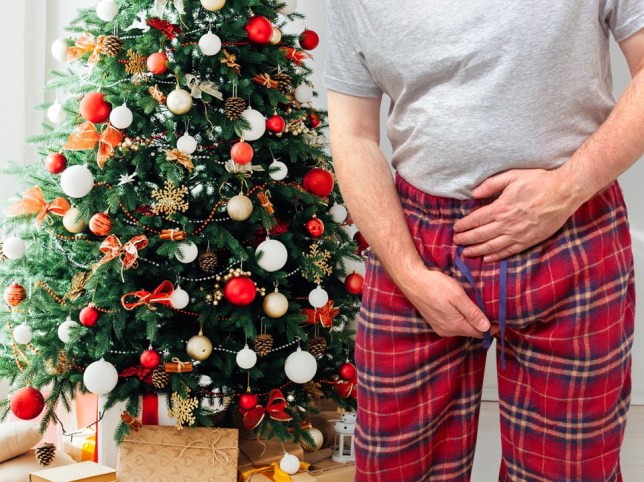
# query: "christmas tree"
{"type": "Point", "coordinates": [184, 231]}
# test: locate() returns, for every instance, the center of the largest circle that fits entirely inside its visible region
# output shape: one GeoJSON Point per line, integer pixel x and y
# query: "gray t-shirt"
{"type": "Point", "coordinates": [479, 87]}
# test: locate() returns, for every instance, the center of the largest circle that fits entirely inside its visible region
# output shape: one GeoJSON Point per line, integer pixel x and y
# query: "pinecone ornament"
{"type": "Point", "coordinates": [284, 83]}
{"type": "Point", "coordinates": [160, 379]}
{"type": "Point", "coordinates": [208, 262]}
{"type": "Point", "coordinates": [234, 107]}
{"type": "Point", "coordinates": [316, 346]}
{"type": "Point", "coordinates": [112, 45]}
{"type": "Point", "coordinates": [263, 344]}
{"type": "Point", "coordinates": [45, 453]}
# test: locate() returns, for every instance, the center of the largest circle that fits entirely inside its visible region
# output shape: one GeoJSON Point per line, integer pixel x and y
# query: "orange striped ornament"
{"type": "Point", "coordinates": [14, 294]}
{"type": "Point", "coordinates": [100, 224]}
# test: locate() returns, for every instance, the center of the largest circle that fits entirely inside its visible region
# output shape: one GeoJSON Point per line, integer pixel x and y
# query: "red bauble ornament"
{"type": "Point", "coordinates": [353, 283]}
{"type": "Point", "coordinates": [100, 224]}
{"type": "Point", "coordinates": [362, 243]}
{"type": "Point", "coordinates": [318, 181]}
{"type": "Point", "coordinates": [27, 403]}
{"type": "Point", "coordinates": [260, 29]}
{"type": "Point", "coordinates": [347, 371]}
{"type": "Point", "coordinates": [150, 358]}
{"type": "Point", "coordinates": [89, 315]}
{"type": "Point", "coordinates": [309, 39]}
{"type": "Point", "coordinates": [240, 291]}
{"type": "Point", "coordinates": [94, 108]}
{"type": "Point", "coordinates": [55, 163]}
{"type": "Point", "coordinates": [314, 120]}
{"type": "Point", "coordinates": [275, 124]}
{"type": "Point", "coordinates": [157, 63]}
{"type": "Point", "coordinates": [242, 153]}
{"type": "Point", "coordinates": [248, 401]}
{"type": "Point", "coordinates": [315, 227]}
{"type": "Point", "coordinates": [14, 294]}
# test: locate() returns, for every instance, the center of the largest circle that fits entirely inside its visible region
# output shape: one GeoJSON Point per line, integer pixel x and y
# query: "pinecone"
{"type": "Point", "coordinates": [45, 453]}
{"type": "Point", "coordinates": [234, 107]}
{"type": "Point", "coordinates": [208, 262]}
{"type": "Point", "coordinates": [316, 346]}
{"type": "Point", "coordinates": [112, 45]}
{"type": "Point", "coordinates": [263, 344]}
{"type": "Point", "coordinates": [160, 379]}
{"type": "Point", "coordinates": [284, 83]}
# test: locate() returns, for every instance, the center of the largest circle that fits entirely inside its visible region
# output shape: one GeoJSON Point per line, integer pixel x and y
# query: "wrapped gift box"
{"type": "Point", "coordinates": [165, 454]}
{"type": "Point", "coordinates": [330, 471]}
{"type": "Point", "coordinates": [83, 472]}
{"type": "Point", "coordinates": [244, 466]}
{"type": "Point", "coordinates": [80, 446]}
{"type": "Point", "coordinates": [264, 452]}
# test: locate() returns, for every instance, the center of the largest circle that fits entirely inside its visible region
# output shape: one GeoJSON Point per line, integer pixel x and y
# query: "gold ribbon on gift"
{"type": "Point", "coordinates": [197, 87]}
{"type": "Point", "coordinates": [219, 454]}
{"type": "Point", "coordinates": [278, 474]}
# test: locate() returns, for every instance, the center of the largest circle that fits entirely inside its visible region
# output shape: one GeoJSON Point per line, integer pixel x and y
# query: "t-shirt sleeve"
{"type": "Point", "coordinates": [346, 71]}
{"type": "Point", "coordinates": [624, 17]}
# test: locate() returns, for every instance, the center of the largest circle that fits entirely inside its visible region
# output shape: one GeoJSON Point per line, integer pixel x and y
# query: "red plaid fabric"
{"type": "Point", "coordinates": [565, 391]}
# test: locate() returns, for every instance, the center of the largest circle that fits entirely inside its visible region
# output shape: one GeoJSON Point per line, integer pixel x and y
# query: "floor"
{"type": "Point", "coordinates": [488, 452]}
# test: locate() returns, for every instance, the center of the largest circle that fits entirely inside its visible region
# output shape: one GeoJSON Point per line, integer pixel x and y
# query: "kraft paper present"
{"type": "Point", "coordinates": [165, 454]}
{"type": "Point", "coordinates": [330, 471]}
{"type": "Point", "coordinates": [83, 472]}
{"type": "Point", "coordinates": [265, 452]}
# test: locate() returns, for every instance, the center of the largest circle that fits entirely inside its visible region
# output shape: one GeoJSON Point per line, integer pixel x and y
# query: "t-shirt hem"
{"type": "Point", "coordinates": [629, 29]}
{"type": "Point", "coordinates": [349, 88]}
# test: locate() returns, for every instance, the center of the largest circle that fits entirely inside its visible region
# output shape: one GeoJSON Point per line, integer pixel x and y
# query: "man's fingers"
{"type": "Point", "coordinates": [476, 219]}
{"type": "Point", "coordinates": [478, 235]}
{"type": "Point", "coordinates": [472, 313]}
{"type": "Point", "coordinates": [504, 253]}
{"type": "Point", "coordinates": [493, 185]}
{"type": "Point", "coordinates": [490, 247]}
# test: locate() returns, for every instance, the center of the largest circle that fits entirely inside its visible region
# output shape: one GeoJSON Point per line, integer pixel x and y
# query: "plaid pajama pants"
{"type": "Point", "coordinates": [565, 391]}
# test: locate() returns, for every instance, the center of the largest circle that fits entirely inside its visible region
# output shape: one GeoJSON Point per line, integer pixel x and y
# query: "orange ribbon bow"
{"type": "Point", "coordinates": [275, 408]}
{"type": "Point", "coordinates": [323, 315]}
{"type": "Point", "coordinates": [295, 55]}
{"type": "Point", "coordinates": [86, 137]}
{"type": "Point", "coordinates": [112, 248]}
{"type": "Point", "coordinates": [34, 202]}
{"type": "Point", "coordinates": [161, 295]}
{"type": "Point", "coordinates": [84, 45]}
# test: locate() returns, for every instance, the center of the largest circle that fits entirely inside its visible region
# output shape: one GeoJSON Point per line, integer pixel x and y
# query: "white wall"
{"type": "Point", "coordinates": [34, 24]}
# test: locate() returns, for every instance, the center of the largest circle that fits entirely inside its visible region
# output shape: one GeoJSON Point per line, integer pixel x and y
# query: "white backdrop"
{"type": "Point", "coordinates": [34, 24]}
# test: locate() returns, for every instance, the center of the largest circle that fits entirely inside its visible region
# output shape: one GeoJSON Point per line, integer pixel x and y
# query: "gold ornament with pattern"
{"type": "Point", "coordinates": [321, 266]}
{"type": "Point", "coordinates": [170, 200]}
{"type": "Point", "coordinates": [182, 409]}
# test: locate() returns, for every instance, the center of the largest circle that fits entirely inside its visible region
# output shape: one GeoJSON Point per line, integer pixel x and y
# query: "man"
{"type": "Point", "coordinates": [504, 219]}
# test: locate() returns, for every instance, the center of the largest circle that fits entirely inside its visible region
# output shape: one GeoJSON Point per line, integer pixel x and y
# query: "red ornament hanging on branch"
{"type": "Point", "coordinates": [150, 358]}
{"type": "Point", "coordinates": [259, 29]}
{"type": "Point", "coordinates": [242, 152]}
{"type": "Point", "coordinates": [314, 120]}
{"type": "Point", "coordinates": [354, 283]}
{"type": "Point", "coordinates": [95, 108]}
{"type": "Point", "coordinates": [347, 371]}
{"type": "Point", "coordinates": [27, 403]}
{"type": "Point", "coordinates": [309, 39]}
{"type": "Point", "coordinates": [248, 401]}
{"type": "Point", "coordinates": [318, 181]}
{"type": "Point", "coordinates": [55, 163]}
{"type": "Point", "coordinates": [240, 290]}
{"type": "Point", "coordinates": [157, 63]}
{"type": "Point", "coordinates": [315, 227]}
{"type": "Point", "coordinates": [275, 124]}
{"type": "Point", "coordinates": [89, 315]}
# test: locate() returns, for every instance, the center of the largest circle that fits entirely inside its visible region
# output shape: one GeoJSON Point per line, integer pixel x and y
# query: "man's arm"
{"type": "Point", "coordinates": [369, 191]}
{"type": "Point", "coordinates": [535, 203]}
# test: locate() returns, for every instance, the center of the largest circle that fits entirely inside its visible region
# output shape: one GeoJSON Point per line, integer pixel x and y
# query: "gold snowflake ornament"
{"type": "Point", "coordinates": [170, 200]}
{"type": "Point", "coordinates": [183, 409]}
{"type": "Point", "coordinates": [320, 262]}
{"type": "Point", "coordinates": [135, 66]}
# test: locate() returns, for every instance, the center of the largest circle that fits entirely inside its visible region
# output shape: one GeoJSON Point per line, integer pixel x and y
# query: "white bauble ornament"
{"type": "Point", "coordinates": [179, 101]}
{"type": "Point", "coordinates": [64, 329]}
{"type": "Point", "coordinates": [213, 5]}
{"type": "Point", "coordinates": [187, 252]}
{"type": "Point", "coordinates": [72, 222]}
{"type": "Point", "coordinates": [239, 207]}
{"type": "Point", "coordinates": [289, 8]}
{"type": "Point", "coordinates": [277, 170]}
{"type": "Point", "coordinates": [338, 213]}
{"type": "Point", "coordinates": [121, 117]}
{"type": "Point", "coordinates": [318, 440]}
{"type": "Point", "coordinates": [303, 93]}
{"type": "Point", "coordinates": [273, 255]}
{"type": "Point", "coordinates": [77, 181]}
{"type": "Point", "coordinates": [100, 377]}
{"type": "Point", "coordinates": [179, 298]}
{"type": "Point", "coordinates": [290, 464]}
{"type": "Point", "coordinates": [300, 366]}
{"type": "Point", "coordinates": [246, 358]}
{"type": "Point", "coordinates": [59, 49]}
{"type": "Point", "coordinates": [257, 124]}
{"type": "Point", "coordinates": [23, 334]}
{"type": "Point", "coordinates": [107, 10]}
{"type": "Point", "coordinates": [318, 297]}
{"type": "Point", "coordinates": [187, 144]}
{"type": "Point", "coordinates": [14, 247]}
{"type": "Point", "coordinates": [210, 44]}
{"type": "Point", "coordinates": [56, 113]}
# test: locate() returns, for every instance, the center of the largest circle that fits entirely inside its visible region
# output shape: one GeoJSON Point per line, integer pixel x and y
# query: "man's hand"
{"type": "Point", "coordinates": [443, 303]}
{"type": "Point", "coordinates": [533, 204]}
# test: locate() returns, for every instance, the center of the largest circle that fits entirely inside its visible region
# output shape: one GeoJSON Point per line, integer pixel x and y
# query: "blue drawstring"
{"type": "Point", "coordinates": [503, 299]}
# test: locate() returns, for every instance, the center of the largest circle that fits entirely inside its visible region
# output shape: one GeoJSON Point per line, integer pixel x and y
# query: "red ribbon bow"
{"type": "Point", "coordinates": [112, 248]}
{"type": "Point", "coordinates": [144, 374]}
{"type": "Point", "coordinates": [34, 202]}
{"type": "Point", "coordinates": [166, 28]}
{"type": "Point", "coordinates": [86, 137]}
{"type": "Point", "coordinates": [323, 315]}
{"type": "Point", "coordinates": [297, 56]}
{"type": "Point", "coordinates": [275, 408]}
{"type": "Point", "coordinates": [161, 295]}
{"type": "Point", "coordinates": [347, 388]}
